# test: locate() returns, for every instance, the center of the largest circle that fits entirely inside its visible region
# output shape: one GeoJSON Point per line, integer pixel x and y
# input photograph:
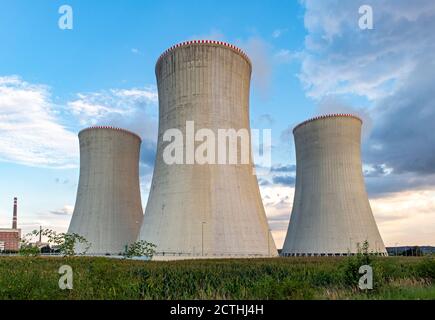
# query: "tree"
{"type": "Point", "coordinates": [140, 249]}
{"type": "Point", "coordinates": [66, 242]}
{"type": "Point", "coordinates": [414, 251]}
{"type": "Point", "coordinates": [27, 249]}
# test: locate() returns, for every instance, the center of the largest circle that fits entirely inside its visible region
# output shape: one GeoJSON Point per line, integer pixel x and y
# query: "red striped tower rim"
{"type": "Point", "coordinates": [111, 128]}
{"type": "Point", "coordinates": [205, 42]}
{"type": "Point", "coordinates": [327, 116]}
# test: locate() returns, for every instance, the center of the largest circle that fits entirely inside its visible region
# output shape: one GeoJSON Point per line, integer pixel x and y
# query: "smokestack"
{"type": "Point", "coordinates": [14, 219]}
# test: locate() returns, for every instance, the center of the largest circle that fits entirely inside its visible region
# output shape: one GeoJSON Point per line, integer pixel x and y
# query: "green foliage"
{"type": "Point", "coordinates": [350, 268]}
{"type": "Point", "coordinates": [278, 278]}
{"type": "Point", "coordinates": [414, 251]}
{"type": "Point", "coordinates": [140, 249]}
{"type": "Point", "coordinates": [287, 288]}
{"type": "Point", "coordinates": [65, 242]}
{"type": "Point", "coordinates": [27, 249]}
{"type": "Point", "coordinates": [426, 268]}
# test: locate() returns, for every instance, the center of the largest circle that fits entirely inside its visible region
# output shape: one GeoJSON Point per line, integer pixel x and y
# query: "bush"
{"type": "Point", "coordinates": [426, 268]}
{"type": "Point", "coordinates": [27, 249]}
{"type": "Point", "coordinates": [140, 249]}
{"type": "Point", "coordinates": [350, 268]}
{"type": "Point", "coordinates": [66, 242]}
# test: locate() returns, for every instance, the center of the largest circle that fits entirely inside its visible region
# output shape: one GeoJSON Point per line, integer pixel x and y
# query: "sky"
{"type": "Point", "coordinates": [309, 57]}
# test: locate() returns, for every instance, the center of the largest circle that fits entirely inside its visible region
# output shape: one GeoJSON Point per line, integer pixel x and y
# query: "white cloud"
{"type": "Point", "coordinates": [283, 53]}
{"type": "Point", "coordinates": [392, 66]}
{"type": "Point", "coordinates": [90, 111]}
{"type": "Point", "coordinates": [66, 210]}
{"type": "Point", "coordinates": [340, 58]}
{"type": "Point", "coordinates": [102, 107]}
{"type": "Point", "coordinates": [55, 219]}
{"type": "Point", "coordinates": [277, 201]}
{"type": "Point", "coordinates": [30, 133]}
{"type": "Point", "coordinates": [333, 104]}
{"type": "Point", "coordinates": [261, 55]}
{"type": "Point", "coordinates": [259, 51]}
{"type": "Point", "coordinates": [148, 94]}
{"type": "Point", "coordinates": [406, 218]}
{"type": "Point", "coordinates": [278, 32]}
{"type": "Point", "coordinates": [31, 130]}
{"type": "Point", "coordinates": [134, 109]}
{"type": "Point", "coordinates": [287, 56]}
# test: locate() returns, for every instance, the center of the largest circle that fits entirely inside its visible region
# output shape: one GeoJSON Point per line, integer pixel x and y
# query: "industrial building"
{"type": "Point", "coordinates": [108, 210]}
{"type": "Point", "coordinates": [331, 212]}
{"type": "Point", "coordinates": [10, 238]}
{"type": "Point", "coordinates": [205, 210]}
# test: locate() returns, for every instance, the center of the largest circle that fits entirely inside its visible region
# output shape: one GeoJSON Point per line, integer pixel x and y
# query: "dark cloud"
{"type": "Point", "coordinates": [284, 217]}
{"type": "Point", "coordinates": [143, 123]}
{"type": "Point", "coordinates": [59, 213]}
{"type": "Point", "coordinates": [148, 153]}
{"type": "Point", "coordinates": [65, 211]}
{"type": "Point", "coordinates": [379, 186]}
{"type": "Point", "coordinates": [403, 137]}
{"type": "Point", "coordinates": [279, 174]}
{"type": "Point", "coordinates": [263, 182]}
{"type": "Point", "coordinates": [284, 180]}
{"type": "Point", "coordinates": [333, 104]}
{"type": "Point", "coordinates": [284, 168]}
{"type": "Point", "coordinates": [376, 171]}
{"type": "Point", "coordinates": [342, 59]}
{"type": "Point", "coordinates": [392, 68]}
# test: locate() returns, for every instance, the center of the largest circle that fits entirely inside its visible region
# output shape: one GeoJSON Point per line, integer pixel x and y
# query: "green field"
{"type": "Point", "coordinates": [278, 278]}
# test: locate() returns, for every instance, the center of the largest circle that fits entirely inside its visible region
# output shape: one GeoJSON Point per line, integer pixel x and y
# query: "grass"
{"type": "Point", "coordinates": [278, 278]}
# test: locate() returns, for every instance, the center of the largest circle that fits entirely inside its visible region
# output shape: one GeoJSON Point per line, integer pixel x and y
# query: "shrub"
{"type": "Point", "coordinates": [426, 268]}
{"type": "Point", "coordinates": [27, 249]}
{"type": "Point", "coordinates": [351, 265]}
{"type": "Point", "coordinates": [66, 242]}
{"type": "Point", "coordinates": [140, 249]}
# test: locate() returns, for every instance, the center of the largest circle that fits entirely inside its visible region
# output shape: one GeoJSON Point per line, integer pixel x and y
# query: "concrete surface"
{"type": "Point", "coordinates": [108, 209]}
{"type": "Point", "coordinates": [205, 210]}
{"type": "Point", "coordinates": [331, 211]}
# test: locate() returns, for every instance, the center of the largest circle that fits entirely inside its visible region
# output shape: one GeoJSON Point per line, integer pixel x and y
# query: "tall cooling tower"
{"type": "Point", "coordinates": [108, 209]}
{"type": "Point", "coordinates": [331, 211]}
{"type": "Point", "coordinates": [205, 210]}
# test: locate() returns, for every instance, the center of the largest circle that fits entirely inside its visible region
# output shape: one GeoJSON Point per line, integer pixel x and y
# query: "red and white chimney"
{"type": "Point", "coordinates": [14, 219]}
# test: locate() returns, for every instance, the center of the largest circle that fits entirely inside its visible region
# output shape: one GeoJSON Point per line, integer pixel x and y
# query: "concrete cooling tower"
{"type": "Point", "coordinates": [108, 209]}
{"type": "Point", "coordinates": [331, 211]}
{"type": "Point", "coordinates": [204, 210]}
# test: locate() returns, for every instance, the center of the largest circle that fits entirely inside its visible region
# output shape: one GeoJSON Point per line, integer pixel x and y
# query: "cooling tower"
{"type": "Point", "coordinates": [331, 211]}
{"type": "Point", "coordinates": [108, 209]}
{"type": "Point", "coordinates": [205, 210]}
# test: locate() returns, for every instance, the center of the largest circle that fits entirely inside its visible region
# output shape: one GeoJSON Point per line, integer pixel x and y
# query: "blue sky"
{"type": "Point", "coordinates": [309, 57]}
